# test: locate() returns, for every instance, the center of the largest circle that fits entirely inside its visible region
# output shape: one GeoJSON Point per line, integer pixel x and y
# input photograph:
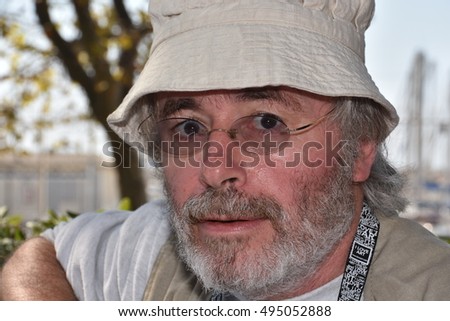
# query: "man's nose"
{"type": "Point", "coordinates": [221, 160]}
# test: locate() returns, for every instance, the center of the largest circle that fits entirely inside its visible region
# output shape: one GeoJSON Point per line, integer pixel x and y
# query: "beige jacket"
{"type": "Point", "coordinates": [409, 264]}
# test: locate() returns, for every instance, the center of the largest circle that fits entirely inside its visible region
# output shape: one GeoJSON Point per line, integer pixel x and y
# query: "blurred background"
{"type": "Point", "coordinates": [408, 55]}
{"type": "Point", "coordinates": [66, 64]}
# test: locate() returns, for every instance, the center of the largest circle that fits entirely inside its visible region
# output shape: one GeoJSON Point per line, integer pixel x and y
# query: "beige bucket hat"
{"type": "Point", "coordinates": [313, 45]}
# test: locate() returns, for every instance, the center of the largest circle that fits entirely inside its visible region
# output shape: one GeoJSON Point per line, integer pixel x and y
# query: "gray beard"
{"type": "Point", "coordinates": [304, 238]}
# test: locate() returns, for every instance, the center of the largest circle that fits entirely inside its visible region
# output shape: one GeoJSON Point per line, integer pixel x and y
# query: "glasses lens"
{"type": "Point", "coordinates": [181, 136]}
{"type": "Point", "coordinates": [264, 133]}
{"type": "Point", "coordinates": [261, 134]}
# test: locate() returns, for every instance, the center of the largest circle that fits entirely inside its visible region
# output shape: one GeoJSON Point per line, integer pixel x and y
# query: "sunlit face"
{"type": "Point", "coordinates": [257, 231]}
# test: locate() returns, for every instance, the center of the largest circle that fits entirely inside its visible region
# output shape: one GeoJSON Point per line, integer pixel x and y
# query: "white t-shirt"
{"type": "Point", "coordinates": [109, 256]}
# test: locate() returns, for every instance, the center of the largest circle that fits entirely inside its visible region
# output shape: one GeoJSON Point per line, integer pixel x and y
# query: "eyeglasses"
{"type": "Point", "coordinates": [262, 133]}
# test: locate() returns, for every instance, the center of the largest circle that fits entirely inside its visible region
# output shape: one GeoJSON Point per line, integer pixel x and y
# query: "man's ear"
{"type": "Point", "coordinates": [364, 161]}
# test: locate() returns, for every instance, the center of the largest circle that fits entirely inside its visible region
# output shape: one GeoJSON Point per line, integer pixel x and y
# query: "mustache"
{"type": "Point", "coordinates": [230, 204]}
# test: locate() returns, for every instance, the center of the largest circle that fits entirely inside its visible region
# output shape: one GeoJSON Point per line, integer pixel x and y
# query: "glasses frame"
{"type": "Point", "coordinates": [232, 132]}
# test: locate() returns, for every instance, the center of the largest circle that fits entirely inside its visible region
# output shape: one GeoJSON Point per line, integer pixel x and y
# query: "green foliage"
{"type": "Point", "coordinates": [14, 230]}
{"type": "Point", "coordinates": [26, 81]}
{"type": "Point", "coordinates": [125, 204]}
{"type": "Point", "coordinates": [11, 233]}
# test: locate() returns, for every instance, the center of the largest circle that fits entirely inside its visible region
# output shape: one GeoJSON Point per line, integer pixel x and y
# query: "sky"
{"type": "Point", "coordinates": [399, 30]}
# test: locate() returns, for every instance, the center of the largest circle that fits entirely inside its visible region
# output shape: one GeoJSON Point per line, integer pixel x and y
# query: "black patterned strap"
{"type": "Point", "coordinates": [360, 257]}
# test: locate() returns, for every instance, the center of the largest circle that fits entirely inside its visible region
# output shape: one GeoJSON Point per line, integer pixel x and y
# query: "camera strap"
{"type": "Point", "coordinates": [360, 257]}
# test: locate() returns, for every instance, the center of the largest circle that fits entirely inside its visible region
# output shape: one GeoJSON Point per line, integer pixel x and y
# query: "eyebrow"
{"type": "Point", "coordinates": [251, 94]}
{"type": "Point", "coordinates": [269, 95]}
{"type": "Point", "coordinates": [173, 105]}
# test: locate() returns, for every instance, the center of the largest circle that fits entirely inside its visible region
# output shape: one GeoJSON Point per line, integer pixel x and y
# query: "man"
{"type": "Point", "coordinates": [269, 133]}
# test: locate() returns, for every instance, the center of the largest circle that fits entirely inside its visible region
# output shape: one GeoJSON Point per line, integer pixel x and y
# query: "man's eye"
{"type": "Point", "coordinates": [268, 122]}
{"type": "Point", "coordinates": [188, 128]}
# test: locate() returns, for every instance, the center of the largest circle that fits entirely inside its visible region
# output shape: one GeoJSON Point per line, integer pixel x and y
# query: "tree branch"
{"type": "Point", "coordinates": [89, 37]}
{"type": "Point", "coordinates": [128, 56]}
{"type": "Point", "coordinates": [87, 25]}
{"type": "Point", "coordinates": [66, 51]}
{"type": "Point", "coordinates": [93, 45]}
{"type": "Point", "coordinates": [122, 14]}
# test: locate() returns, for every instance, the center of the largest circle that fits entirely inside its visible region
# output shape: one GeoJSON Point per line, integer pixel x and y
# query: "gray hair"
{"type": "Point", "coordinates": [361, 119]}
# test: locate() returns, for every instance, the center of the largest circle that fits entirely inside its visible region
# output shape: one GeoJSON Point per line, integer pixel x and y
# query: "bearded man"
{"type": "Point", "coordinates": [269, 133]}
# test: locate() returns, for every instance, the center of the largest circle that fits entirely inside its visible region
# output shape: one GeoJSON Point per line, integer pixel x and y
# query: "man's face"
{"type": "Point", "coordinates": [257, 225]}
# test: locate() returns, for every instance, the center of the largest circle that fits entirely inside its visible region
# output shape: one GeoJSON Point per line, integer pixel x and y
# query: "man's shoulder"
{"type": "Point", "coordinates": [410, 263]}
{"type": "Point", "coordinates": [148, 216]}
{"type": "Point", "coordinates": [411, 239]}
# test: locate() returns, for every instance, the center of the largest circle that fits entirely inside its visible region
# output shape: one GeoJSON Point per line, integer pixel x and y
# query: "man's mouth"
{"type": "Point", "coordinates": [222, 225]}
